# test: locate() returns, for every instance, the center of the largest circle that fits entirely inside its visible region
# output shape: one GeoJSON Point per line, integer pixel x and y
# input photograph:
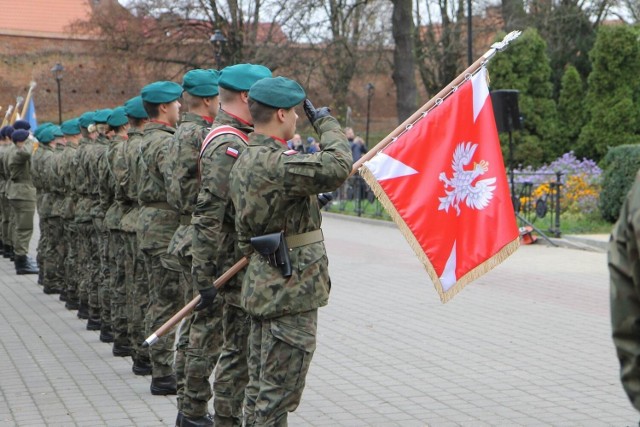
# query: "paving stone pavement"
{"type": "Point", "coordinates": [527, 344]}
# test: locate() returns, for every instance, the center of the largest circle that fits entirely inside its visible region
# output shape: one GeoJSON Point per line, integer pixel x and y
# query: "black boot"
{"type": "Point", "coordinates": [12, 254]}
{"type": "Point", "coordinates": [105, 333]}
{"type": "Point", "coordinates": [23, 267]}
{"type": "Point", "coordinates": [1, 247]}
{"type": "Point", "coordinates": [141, 367]}
{"type": "Point", "coordinates": [179, 419]}
{"type": "Point", "coordinates": [121, 350]}
{"type": "Point", "coordinates": [83, 310]}
{"type": "Point", "coordinates": [63, 295]}
{"type": "Point", "coordinates": [6, 251]}
{"type": "Point", "coordinates": [206, 421]}
{"type": "Point", "coordinates": [93, 324]}
{"type": "Point", "coordinates": [72, 304]}
{"type": "Point", "coordinates": [163, 386]}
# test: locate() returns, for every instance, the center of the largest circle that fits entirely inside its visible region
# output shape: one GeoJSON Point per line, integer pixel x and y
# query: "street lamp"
{"type": "Point", "coordinates": [370, 88]}
{"type": "Point", "coordinates": [57, 74]}
{"type": "Point", "coordinates": [218, 40]}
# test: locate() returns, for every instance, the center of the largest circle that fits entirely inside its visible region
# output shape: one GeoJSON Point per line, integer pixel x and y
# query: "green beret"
{"type": "Point", "coordinates": [241, 77]}
{"type": "Point", "coordinates": [46, 135]}
{"type": "Point", "coordinates": [278, 92]}
{"type": "Point", "coordinates": [101, 116]}
{"type": "Point", "coordinates": [117, 117]}
{"type": "Point", "coordinates": [161, 92]}
{"type": "Point", "coordinates": [71, 127]}
{"type": "Point", "coordinates": [134, 108]}
{"type": "Point", "coordinates": [86, 119]}
{"type": "Point", "coordinates": [202, 83]}
{"type": "Point", "coordinates": [57, 132]}
{"type": "Point", "coordinates": [41, 127]}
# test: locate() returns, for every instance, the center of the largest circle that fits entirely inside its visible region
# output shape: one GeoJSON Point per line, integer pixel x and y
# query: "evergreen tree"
{"type": "Point", "coordinates": [571, 107]}
{"type": "Point", "coordinates": [525, 67]}
{"type": "Point", "coordinates": [613, 93]}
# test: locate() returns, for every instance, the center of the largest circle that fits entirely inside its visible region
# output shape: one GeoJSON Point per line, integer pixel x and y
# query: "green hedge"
{"type": "Point", "coordinates": [619, 166]}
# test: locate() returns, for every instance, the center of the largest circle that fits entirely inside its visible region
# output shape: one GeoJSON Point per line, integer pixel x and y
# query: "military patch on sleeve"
{"type": "Point", "coordinates": [290, 152]}
{"type": "Point", "coordinates": [232, 152]}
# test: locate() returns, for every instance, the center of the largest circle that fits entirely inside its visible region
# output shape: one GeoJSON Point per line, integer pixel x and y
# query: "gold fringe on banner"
{"type": "Point", "coordinates": [481, 269]}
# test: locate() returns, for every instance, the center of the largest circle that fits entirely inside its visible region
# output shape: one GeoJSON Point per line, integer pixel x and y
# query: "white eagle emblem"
{"type": "Point", "coordinates": [461, 185]}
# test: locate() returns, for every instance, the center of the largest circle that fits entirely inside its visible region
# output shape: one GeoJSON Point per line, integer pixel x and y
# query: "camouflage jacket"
{"type": "Point", "coordinates": [56, 181]}
{"type": "Point", "coordinates": [81, 181]}
{"type": "Point", "coordinates": [3, 173]}
{"type": "Point", "coordinates": [41, 158]}
{"type": "Point", "coordinates": [93, 160]}
{"type": "Point", "coordinates": [275, 189]}
{"type": "Point", "coordinates": [111, 191]}
{"type": "Point", "coordinates": [131, 152]}
{"type": "Point", "coordinates": [20, 173]}
{"type": "Point", "coordinates": [157, 221]}
{"type": "Point", "coordinates": [66, 172]}
{"type": "Point", "coordinates": [183, 180]}
{"type": "Point", "coordinates": [214, 247]}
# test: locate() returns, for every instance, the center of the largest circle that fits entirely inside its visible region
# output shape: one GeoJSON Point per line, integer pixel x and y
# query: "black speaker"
{"type": "Point", "coordinates": [505, 109]}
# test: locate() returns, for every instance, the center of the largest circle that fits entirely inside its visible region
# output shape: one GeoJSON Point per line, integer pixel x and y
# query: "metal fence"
{"type": "Point", "coordinates": [534, 203]}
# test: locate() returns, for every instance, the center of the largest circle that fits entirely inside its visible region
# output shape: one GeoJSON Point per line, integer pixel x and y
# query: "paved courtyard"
{"type": "Point", "coordinates": [527, 344]}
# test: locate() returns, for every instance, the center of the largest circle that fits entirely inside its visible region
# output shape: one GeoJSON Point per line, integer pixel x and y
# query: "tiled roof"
{"type": "Point", "coordinates": [42, 18]}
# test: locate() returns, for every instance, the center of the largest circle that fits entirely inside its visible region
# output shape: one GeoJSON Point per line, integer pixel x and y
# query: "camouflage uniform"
{"type": "Point", "coordinates": [624, 273]}
{"type": "Point", "coordinates": [214, 251]}
{"type": "Point", "coordinates": [22, 196]}
{"type": "Point", "coordinates": [71, 238]}
{"type": "Point", "coordinates": [88, 258]}
{"type": "Point", "coordinates": [182, 192]}
{"type": "Point", "coordinates": [44, 202]}
{"type": "Point", "coordinates": [112, 176]}
{"type": "Point", "coordinates": [54, 256]}
{"type": "Point", "coordinates": [4, 202]}
{"type": "Point", "coordinates": [136, 280]}
{"type": "Point", "coordinates": [157, 222]}
{"type": "Point", "coordinates": [274, 189]}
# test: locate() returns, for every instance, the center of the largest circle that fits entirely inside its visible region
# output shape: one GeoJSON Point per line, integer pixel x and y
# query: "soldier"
{"type": "Point", "coordinates": [39, 198]}
{"type": "Point", "coordinates": [136, 280]}
{"type": "Point", "coordinates": [157, 222]}
{"type": "Point", "coordinates": [5, 143]}
{"type": "Point", "coordinates": [54, 254]}
{"type": "Point", "coordinates": [201, 87]}
{"type": "Point", "coordinates": [71, 131]}
{"type": "Point", "coordinates": [22, 199]}
{"type": "Point", "coordinates": [624, 273]}
{"type": "Point", "coordinates": [88, 256]}
{"type": "Point", "coordinates": [274, 192]}
{"type": "Point", "coordinates": [99, 294]}
{"type": "Point", "coordinates": [112, 175]}
{"type": "Point", "coordinates": [214, 250]}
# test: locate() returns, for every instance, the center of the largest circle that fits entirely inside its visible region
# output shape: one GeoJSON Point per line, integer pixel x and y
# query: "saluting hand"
{"type": "Point", "coordinates": [314, 114]}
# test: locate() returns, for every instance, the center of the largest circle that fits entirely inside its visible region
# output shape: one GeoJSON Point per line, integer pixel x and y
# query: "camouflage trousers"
{"type": "Point", "coordinates": [92, 276]}
{"type": "Point", "coordinates": [23, 211]}
{"type": "Point", "coordinates": [88, 258]}
{"type": "Point", "coordinates": [231, 375]}
{"type": "Point", "coordinates": [118, 288]}
{"type": "Point", "coordinates": [53, 261]}
{"type": "Point", "coordinates": [71, 243]}
{"type": "Point", "coordinates": [137, 290]}
{"type": "Point", "coordinates": [165, 299]}
{"type": "Point", "coordinates": [6, 216]}
{"type": "Point", "coordinates": [183, 332]}
{"type": "Point", "coordinates": [103, 276]}
{"type": "Point", "coordinates": [280, 352]}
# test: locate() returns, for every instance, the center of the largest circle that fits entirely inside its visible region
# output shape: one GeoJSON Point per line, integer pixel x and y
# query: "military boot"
{"type": "Point", "coordinates": [205, 421]}
{"type": "Point", "coordinates": [163, 386]}
{"type": "Point", "coordinates": [63, 296]}
{"type": "Point", "coordinates": [6, 251]}
{"type": "Point", "coordinates": [83, 310]}
{"type": "Point", "coordinates": [141, 367]}
{"type": "Point", "coordinates": [93, 324]}
{"type": "Point", "coordinates": [121, 350]}
{"type": "Point", "coordinates": [105, 333]}
{"type": "Point", "coordinates": [23, 267]}
{"type": "Point", "coordinates": [12, 254]}
{"type": "Point", "coordinates": [72, 304]}
{"type": "Point", "coordinates": [1, 247]}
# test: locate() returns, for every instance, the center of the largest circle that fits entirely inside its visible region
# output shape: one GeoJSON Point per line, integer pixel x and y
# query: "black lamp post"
{"type": "Point", "coordinates": [370, 88]}
{"type": "Point", "coordinates": [57, 74]}
{"type": "Point", "coordinates": [218, 40]}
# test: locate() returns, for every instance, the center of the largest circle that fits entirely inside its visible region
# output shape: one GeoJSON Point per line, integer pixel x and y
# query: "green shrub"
{"type": "Point", "coordinates": [620, 166]}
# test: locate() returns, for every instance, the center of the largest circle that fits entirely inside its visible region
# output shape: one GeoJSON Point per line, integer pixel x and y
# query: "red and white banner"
{"type": "Point", "coordinates": [444, 183]}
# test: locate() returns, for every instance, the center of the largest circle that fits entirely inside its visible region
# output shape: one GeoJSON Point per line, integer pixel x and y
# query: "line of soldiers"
{"type": "Point", "coordinates": [141, 209]}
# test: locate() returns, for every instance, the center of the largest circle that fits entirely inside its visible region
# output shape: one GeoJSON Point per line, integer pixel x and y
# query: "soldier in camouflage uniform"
{"type": "Point", "coordinates": [54, 256]}
{"type": "Point", "coordinates": [112, 176]}
{"type": "Point", "coordinates": [5, 144]}
{"type": "Point", "coordinates": [99, 293]}
{"type": "Point", "coordinates": [202, 98]}
{"type": "Point", "coordinates": [214, 242]}
{"type": "Point", "coordinates": [88, 256]}
{"type": "Point", "coordinates": [157, 222]}
{"type": "Point", "coordinates": [71, 131]}
{"type": "Point", "coordinates": [22, 199]}
{"type": "Point", "coordinates": [274, 190]}
{"type": "Point", "coordinates": [624, 273]}
{"type": "Point", "coordinates": [136, 280]}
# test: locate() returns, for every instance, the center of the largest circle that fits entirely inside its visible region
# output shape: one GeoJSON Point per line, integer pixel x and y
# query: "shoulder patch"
{"type": "Point", "coordinates": [232, 152]}
{"type": "Point", "coordinates": [290, 152]}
